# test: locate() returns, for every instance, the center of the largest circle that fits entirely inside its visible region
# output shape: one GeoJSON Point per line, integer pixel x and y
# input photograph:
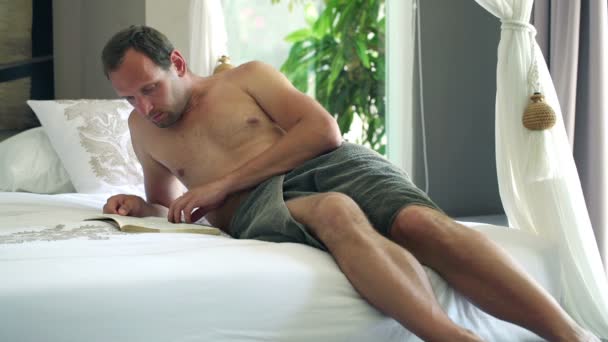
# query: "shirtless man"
{"type": "Point", "coordinates": [228, 135]}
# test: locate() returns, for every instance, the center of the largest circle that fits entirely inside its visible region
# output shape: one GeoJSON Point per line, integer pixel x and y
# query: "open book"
{"type": "Point", "coordinates": [153, 225]}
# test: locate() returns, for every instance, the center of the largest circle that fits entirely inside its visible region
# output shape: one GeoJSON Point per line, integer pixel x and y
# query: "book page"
{"type": "Point", "coordinates": [156, 224]}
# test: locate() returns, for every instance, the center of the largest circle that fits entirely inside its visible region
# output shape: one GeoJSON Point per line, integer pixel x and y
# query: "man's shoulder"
{"type": "Point", "coordinates": [134, 120]}
{"type": "Point", "coordinates": [240, 72]}
{"type": "Point", "coordinates": [137, 125]}
{"type": "Point", "coordinates": [253, 64]}
{"type": "Point", "coordinates": [256, 73]}
{"type": "Point", "coordinates": [254, 67]}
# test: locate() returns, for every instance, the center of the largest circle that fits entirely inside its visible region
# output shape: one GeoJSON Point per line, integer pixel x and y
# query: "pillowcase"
{"type": "Point", "coordinates": [29, 163]}
{"type": "Point", "coordinates": [92, 140]}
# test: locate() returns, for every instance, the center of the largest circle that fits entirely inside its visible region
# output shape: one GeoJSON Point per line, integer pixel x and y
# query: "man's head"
{"type": "Point", "coordinates": [143, 39]}
{"type": "Point", "coordinates": [149, 72]}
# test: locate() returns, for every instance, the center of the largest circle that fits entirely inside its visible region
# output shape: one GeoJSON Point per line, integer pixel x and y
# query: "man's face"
{"type": "Point", "coordinates": [157, 94]}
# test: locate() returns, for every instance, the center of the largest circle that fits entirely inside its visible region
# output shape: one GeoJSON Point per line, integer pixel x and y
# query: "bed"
{"type": "Point", "coordinates": [66, 279]}
{"type": "Point", "coordinates": [70, 280]}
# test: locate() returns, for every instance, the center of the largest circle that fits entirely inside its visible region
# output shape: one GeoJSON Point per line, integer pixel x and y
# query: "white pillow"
{"type": "Point", "coordinates": [29, 163]}
{"type": "Point", "coordinates": [92, 140]}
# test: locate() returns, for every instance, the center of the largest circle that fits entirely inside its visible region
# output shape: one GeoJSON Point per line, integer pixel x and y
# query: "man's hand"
{"type": "Point", "coordinates": [126, 205]}
{"type": "Point", "coordinates": [204, 199]}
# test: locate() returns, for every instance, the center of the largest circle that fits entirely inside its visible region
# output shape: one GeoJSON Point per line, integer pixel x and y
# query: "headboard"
{"type": "Point", "coordinates": [26, 62]}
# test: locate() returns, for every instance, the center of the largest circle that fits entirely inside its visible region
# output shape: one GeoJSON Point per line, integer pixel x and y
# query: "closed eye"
{"type": "Point", "coordinates": [147, 90]}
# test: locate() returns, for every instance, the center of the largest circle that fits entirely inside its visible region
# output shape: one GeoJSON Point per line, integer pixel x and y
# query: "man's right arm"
{"type": "Point", "coordinates": [161, 186]}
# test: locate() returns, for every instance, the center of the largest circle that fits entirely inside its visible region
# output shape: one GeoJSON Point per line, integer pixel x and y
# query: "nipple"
{"type": "Point", "coordinates": [253, 121]}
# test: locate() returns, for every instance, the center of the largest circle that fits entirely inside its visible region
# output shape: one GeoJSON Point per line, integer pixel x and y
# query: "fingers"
{"type": "Point", "coordinates": [124, 209]}
{"type": "Point", "coordinates": [188, 214]}
{"type": "Point", "coordinates": [177, 207]}
{"type": "Point", "coordinates": [111, 206]}
{"type": "Point", "coordinates": [184, 204]}
{"type": "Point", "coordinates": [117, 204]}
{"type": "Point", "coordinates": [172, 209]}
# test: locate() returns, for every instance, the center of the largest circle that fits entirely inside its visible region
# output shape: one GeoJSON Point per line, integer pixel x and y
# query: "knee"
{"type": "Point", "coordinates": [425, 230]}
{"type": "Point", "coordinates": [415, 223]}
{"type": "Point", "coordinates": [335, 209]}
{"type": "Point", "coordinates": [338, 214]}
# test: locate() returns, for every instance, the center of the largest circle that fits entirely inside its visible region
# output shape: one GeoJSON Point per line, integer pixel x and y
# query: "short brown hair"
{"type": "Point", "coordinates": [143, 39]}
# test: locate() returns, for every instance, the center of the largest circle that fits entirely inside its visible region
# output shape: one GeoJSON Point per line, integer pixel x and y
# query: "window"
{"type": "Point", "coordinates": [335, 55]}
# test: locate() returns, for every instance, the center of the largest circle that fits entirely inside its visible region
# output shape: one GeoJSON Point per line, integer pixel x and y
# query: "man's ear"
{"type": "Point", "coordinates": [179, 62]}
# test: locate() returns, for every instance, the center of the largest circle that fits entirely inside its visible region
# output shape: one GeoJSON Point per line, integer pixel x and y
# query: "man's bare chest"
{"type": "Point", "coordinates": [213, 143]}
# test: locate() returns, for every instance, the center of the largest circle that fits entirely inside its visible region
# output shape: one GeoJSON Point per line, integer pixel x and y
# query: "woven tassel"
{"type": "Point", "coordinates": [540, 159]}
{"type": "Point", "coordinates": [538, 115]}
{"type": "Point", "coordinates": [223, 63]}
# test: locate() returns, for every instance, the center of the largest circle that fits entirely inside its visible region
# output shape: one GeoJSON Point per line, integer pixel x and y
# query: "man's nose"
{"type": "Point", "coordinates": [143, 106]}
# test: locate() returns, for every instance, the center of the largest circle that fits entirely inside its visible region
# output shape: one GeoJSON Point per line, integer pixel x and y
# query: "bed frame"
{"type": "Point", "coordinates": [38, 68]}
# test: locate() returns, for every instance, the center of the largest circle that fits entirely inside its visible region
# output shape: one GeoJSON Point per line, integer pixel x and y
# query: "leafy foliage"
{"type": "Point", "coordinates": [342, 49]}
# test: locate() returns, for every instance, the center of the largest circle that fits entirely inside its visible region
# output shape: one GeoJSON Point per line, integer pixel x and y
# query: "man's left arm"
{"type": "Point", "coordinates": [310, 131]}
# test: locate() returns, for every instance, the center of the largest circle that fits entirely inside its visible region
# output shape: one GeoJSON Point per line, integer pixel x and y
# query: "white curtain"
{"type": "Point", "coordinates": [538, 181]}
{"type": "Point", "coordinates": [208, 39]}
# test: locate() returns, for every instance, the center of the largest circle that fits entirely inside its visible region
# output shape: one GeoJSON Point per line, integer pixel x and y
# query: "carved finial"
{"type": "Point", "coordinates": [223, 63]}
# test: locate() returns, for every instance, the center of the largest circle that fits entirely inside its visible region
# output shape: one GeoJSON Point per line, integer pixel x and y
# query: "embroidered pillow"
{"type": "Point", "coordinates": [93, 142]}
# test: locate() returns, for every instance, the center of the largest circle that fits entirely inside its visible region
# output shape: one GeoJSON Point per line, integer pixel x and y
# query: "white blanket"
{"type": "Point", "coordinates": [68, 280]}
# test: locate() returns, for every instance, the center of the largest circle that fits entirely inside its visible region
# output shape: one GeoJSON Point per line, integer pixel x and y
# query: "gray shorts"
{"type": "Point", "coordinates": [377, 186]}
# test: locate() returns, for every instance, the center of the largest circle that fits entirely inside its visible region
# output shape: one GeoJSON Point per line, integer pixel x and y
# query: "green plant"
{"type": "Point", "coordinates": [342, 50]}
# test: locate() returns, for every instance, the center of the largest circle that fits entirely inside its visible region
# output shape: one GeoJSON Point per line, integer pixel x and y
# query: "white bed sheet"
{"type": "Point", "coordinates": [68, 280]}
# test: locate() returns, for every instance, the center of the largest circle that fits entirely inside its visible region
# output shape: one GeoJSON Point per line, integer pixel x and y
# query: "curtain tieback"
{"type": "Point", "coordinates": [517, 25]}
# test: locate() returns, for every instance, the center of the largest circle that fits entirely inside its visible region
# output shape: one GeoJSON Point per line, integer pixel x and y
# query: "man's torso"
{"type": "Point", "coordinates": [224, 130]}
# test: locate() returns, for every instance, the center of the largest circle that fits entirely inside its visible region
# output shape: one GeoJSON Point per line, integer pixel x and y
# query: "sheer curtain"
{"type": "Point", "coordinates": [207, 35]}
{"type": "Point", "coordinates": [574, 37]}
{"type": "Point", "coordinates": [538, 181]}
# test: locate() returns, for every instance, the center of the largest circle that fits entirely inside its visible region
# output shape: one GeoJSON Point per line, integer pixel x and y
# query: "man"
{"type": "Point", "coordinates": [262, 160]}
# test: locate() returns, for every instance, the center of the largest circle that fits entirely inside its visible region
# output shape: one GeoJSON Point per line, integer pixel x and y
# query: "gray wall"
{"type": "Point", "coordinates": [80, 29]}
{"type": "Point", "coordinates": [459, 47]}
{"type": "Point", "coordinates": [172, 19]}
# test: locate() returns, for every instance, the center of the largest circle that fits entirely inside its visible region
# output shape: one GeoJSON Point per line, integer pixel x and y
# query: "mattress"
{"type": "Point", "coordinates": [64, 279]}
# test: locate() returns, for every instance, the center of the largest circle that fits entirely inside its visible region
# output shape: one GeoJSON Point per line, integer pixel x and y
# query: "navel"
{"type": "Point", "coordinates": [181, 172]}
{"type": "Point", "coordinates": [253, 121]}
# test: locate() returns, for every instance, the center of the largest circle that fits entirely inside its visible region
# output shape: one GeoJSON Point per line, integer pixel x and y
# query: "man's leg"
{"type": "Point", "coordinates": [385, 274]}
{"type": "Point", "coordinates": [483, 272]}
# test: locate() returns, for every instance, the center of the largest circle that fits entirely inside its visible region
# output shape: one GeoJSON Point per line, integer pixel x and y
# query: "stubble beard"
{"type": "Point", "coordinates": [170, 119]}
{"type": "Point", "coordinates": [173, 116]}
